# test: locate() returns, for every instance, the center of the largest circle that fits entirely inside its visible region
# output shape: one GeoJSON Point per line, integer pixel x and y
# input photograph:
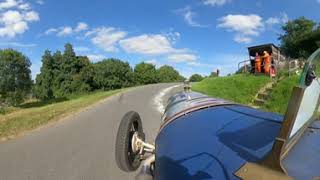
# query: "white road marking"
{"type": "Point", "coordinates": [158, 99]}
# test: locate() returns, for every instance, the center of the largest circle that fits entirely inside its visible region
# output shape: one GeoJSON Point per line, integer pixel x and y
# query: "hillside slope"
{"type": "Point", "coordinates": [280, 95]}
{"type": "Point", "coordinates": [238, 88]}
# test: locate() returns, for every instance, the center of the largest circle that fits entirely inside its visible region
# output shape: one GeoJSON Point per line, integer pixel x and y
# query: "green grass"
{"type": "Point", "coordinates": [280, 95]}
{"type": "Point", "coordinates": [34, 114]}
{"type": "Point", "coordinates": [238, 88]}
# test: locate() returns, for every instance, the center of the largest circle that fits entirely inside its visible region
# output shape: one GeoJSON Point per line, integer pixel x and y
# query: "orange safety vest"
{"type": "Point", "coordinates": [267, 63]}
{"type": "Point", "coordinates": [258, 64]}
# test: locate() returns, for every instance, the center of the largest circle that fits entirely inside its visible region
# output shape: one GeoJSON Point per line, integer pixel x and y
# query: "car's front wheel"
{"type": "Point", "coordinates": [127, 158]}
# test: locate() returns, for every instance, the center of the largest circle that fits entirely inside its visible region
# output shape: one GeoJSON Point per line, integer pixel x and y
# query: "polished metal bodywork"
{"type": "Point", "coordinates": [186, 102]}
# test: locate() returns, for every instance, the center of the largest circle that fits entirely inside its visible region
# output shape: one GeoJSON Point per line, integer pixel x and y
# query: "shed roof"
{"type": "Point", "coordinates": [260, 48]}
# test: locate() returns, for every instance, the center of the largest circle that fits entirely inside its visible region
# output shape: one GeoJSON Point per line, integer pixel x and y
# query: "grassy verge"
{"type": "Point", "coordinates": [280, 95]}
{"type": "Point", "coordinates": [34, 114]}
{"type": "Point", "coordinates": [238, 88]}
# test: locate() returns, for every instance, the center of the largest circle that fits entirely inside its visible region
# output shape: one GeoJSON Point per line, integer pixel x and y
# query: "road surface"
{"type": "Point", "coordinates": [81, 147]}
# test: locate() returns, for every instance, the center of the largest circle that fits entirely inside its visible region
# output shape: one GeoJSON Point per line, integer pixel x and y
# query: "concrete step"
{"type": "Point", "coordinates": [263, 96]}
{"type": "Point", "coordinates": [259, 102]}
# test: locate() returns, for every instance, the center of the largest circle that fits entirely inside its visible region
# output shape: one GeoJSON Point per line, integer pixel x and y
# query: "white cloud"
{"type": "Point", "coordinates": [7, 4]}
{"type": "Point", "coordinates": [24, 6]}
{"type": "Point", "coordinates": [40, 2]}
{"type": "Point", "coordinates": [96, 57]}
{"type": "Point", "coordinates": [242, 39]}
{"type": "Point", "coordinates": [273, 20]}
{"type": "Point", "coordinates": [31, 16]}
{"type": "Point", "coordinates": [106, 38]}
{"type": "Point", "coordinates": [64, 31]}
{"type": "Point", "coordinates": [156, 44]}
{"type": "Point", "coordinates": [189, 16]}
{"type": "Point", "coordinates": [11, 17]}
{"type": "Point", "coordinates": [200, 64]}
{"type": "Point", "coordinates": [17, 44]}
{"type": "Point", "coordinates": [215, 2]}
{"type": "Point", "coordinates": [183, 57]}
{"type": "Point", "coordinates": [50, 31]}
{"type": "Point", "coordinates": [152, 61]}
{"type": "Point", "coordinates": [245, 26]}
{"type": "Point", "coordinates": [67, 30]}
{"type": "Point", "coordinates": [172, 36]}
{"type": "Point", "coordinates": [15, 17]}
{"type": "Point", "coordinates": [153, 44]}
{"type": "Point", "coordinates": [12, 24]}
{"type": "Point", "coordinates": [282, 19]}
{"type": "Point", "coordinates": [81, 27]}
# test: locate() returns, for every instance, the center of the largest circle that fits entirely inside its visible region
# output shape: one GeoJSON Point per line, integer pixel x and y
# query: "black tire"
{"type": "Point", "coordinates": [126, 159]}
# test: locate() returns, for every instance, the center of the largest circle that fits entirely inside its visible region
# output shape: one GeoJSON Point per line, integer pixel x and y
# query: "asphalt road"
{"type": "Point", "coordinates": [81, 147]}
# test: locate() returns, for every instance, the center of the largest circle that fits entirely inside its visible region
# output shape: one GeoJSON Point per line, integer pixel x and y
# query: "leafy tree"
{"type": "Point", "coordinates": [64, 74]}
{"type": "Point", "coordinates": [168, 74]}
{"type": "Point", "coordinates": [45, 80]}
{"type": "Point", "coordinates": [113, 74]}
{"type": "Point", "coordinates": [145, 73]}
{"type": "Point", "coordinates": [15, 77]}
{"type": "Point", "coordinates": [83, 78]}
{"type": "Point", "coordinates": [195, 78]}
{"type": "Point", "coordinates": [300, 37]}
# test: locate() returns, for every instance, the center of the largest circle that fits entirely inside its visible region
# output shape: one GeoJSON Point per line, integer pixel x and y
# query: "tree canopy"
{"type": "Point", "coordinates": [301, 37]}
{"type": "Point", "coordinates": [168, 74]}
{"type": "Point", "coordinates": [63, 74]}
{"type": "Point", "coordinates": [113, 74]}
{"type": "Point", "coordinates": [15, 77]}
{"type": "Point", "coordinates": [196, 78]}
{"type": "Point", "coordinates": [145, 73]}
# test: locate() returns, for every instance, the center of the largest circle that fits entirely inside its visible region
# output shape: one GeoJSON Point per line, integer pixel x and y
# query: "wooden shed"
{"type": "Point", "coordinates": [272, 49]}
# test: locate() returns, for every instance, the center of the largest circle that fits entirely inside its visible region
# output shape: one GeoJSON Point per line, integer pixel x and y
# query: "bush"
{"type": "Point", "coordinates": [64, 74]}
{"type": "Point", "coordinates": [15, 77]}
{"type": "Point", "coordinates": [145, 73]}
{"type": "Point", "coordinates": [168, 74]}
{"type": "Point", "coordinates": [113, 74]}
{"type": "Point", "coordinates": [195, 78]}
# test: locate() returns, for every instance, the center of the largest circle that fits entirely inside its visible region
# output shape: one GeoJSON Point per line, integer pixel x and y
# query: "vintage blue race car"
{"type": "Point", "coordinates": [208, 138]}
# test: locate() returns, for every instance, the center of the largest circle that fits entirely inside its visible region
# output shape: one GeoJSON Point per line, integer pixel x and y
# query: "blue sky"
{"type": "Point", "coordinates": [194, 36]}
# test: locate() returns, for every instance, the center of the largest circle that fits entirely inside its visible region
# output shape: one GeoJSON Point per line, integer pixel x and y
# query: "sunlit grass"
{"type": "Point", "coordinates": [238, 88]}
{"type": "Point", "coordinates": [280, 95]}
{"type": "Point", "coordinates": [37, 113]}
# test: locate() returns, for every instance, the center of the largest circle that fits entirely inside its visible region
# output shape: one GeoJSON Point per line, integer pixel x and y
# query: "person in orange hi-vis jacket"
{"type": "Point", "coordinates": [267, 62]}
{"type": "Point", "coordinates": [257, 63]}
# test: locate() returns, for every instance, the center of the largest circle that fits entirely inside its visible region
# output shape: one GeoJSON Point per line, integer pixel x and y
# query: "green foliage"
{"type": "Point", "coordinates": [145, 73]}
{"type": "Point", "coordinates": [113, 74]}
{"type": "Point", "coordinates": [301, 37]}
{"type": "Point", "coordinates": [15, 77]}
{"type": "Point", "coordinates": [168, 74]}
{"type": "Point", "coordinates": [280, 95]}
{"type": "Point", "coordinates": [63, 74]}
{"type": "Point", "coordinates": [238, 88]}
{"type": "Point", "coordinates": [196, 78]}
{"type": "Point", "coordinates": [44, 81]}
